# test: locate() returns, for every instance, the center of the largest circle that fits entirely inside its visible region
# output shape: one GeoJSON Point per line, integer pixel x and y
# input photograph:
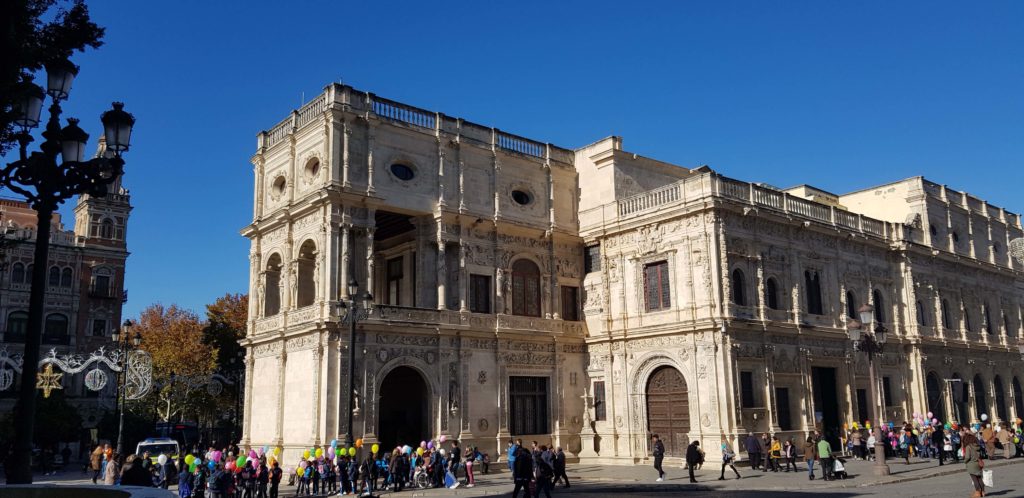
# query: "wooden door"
{"type": "Point", "coordinates": [668, 410]}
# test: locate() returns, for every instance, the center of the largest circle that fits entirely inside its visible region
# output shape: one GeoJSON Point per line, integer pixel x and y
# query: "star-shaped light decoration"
{"type": "Point", "coordinates": [49, 380]}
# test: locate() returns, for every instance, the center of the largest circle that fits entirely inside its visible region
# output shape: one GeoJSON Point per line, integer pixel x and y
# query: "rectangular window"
{"type": "Point", "coordinates": [570, 303]}
{"type": "Point", "coordinates": [886, 391]}
{"type": "Point", "coordinates": [600, 412]}
{"type": "Point", "coordinates": [656, 286]}
{"type": "Point", "coordinates": [528, 405]}
{"type": "Point", "coordinates": [99, 328]}
{"type": "Point", "coordinates": [592, 259]}
{"type": "Point", "coordinates": [782, 408]}
{"type": "Point", "coordinates": [747, 390]}
{"type": "Point", "coordinates": [394, 279]}
{"type": "Point", "coordinates": [101, 286]}
{"type": "Point", "coordinates": [480, 293]}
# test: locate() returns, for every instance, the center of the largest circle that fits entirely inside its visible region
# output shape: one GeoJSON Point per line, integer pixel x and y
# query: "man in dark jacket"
{"type": "Point", "coordinates": [522, 472]}
{"type": "Point", "coordinates": [560, 467]}
{"type": "Point", "coordinates": [133, 474]}
{"type": "Point", "coordinates": [754, 450]}
{"type": "Point", "coordinates": [658, 450]}
{"type": "Point", "coordinates": [545, 472]}
{"type": "Point", "coordinates": [938, 440]}
{"type": "Point", "coordinates": [693, 458]}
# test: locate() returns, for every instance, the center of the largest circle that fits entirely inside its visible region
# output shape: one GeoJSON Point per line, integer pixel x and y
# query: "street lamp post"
{"type": "Point", "coordinates": [47, 182]}
{"type": "Point", "coordinates": [122, 340]}
{"type": "Point", "coordinates": [355, 309]}
{"type": "Point", "coordinates": [871, 343]}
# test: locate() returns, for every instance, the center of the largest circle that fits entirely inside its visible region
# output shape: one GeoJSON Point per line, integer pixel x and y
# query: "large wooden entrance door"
{"type": "Point", "coordinates": [668, 409]}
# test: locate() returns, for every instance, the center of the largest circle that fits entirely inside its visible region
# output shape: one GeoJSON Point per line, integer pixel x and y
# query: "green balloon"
{"type": "Point", "coordinates": [240, 462]}
{"type": "Point", "coordinates": [337, 451]}
{"type": "Point", "coordinates": [351, 452]}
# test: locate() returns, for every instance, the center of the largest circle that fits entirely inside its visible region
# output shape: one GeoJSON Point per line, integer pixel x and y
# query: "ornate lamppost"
{"type": "Point", "coordinates": [871, 342]}
{"type": "Point", "coordinates": [46, 181]}
{"type": "Point", "coordinates": [355, 309]}
{"type": "Point", "coordinates": [126, 344]}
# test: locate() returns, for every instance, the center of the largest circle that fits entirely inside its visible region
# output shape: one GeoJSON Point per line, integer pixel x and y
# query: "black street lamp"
{"type": "Point", "coordinates": [355, 309]}
{"type": "Point", "coordinates": [871, 343]}
{"type": "Point", "coordinates": [46, 181]}
{"type": "Point", "coordinates": [127, 343]}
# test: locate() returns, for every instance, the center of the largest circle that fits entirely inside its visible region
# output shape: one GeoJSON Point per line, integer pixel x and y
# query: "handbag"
{"type": "Point", "coordinates": [986, 477]}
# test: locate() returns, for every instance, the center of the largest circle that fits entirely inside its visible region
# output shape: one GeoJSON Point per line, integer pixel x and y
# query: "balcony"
{"type": "Point", "coordinates": [103, 292]}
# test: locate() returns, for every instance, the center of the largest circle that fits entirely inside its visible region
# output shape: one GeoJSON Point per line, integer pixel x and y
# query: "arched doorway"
{"type": "Point", "coordinates": [668, 409]}
{"type": "Point", "coordinates": [980, 400]}
{"type": "Point", "coordinates": [935, 404]}
{"type": "Point", "coordinates": [961, 394]}
{"type": "Point", "coordinates": [403, 411]}
{"type": "Point", "coordinates": [1018, 398]}
{"type": "Point", "coordinates": [1000, 400]}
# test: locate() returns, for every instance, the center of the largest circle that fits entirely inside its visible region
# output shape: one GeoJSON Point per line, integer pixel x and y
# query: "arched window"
{"type": "Point", "coordinates": [1008, 326]}
{"type": "Point", "coordinates": [851, 305]}
{"type": "Point", "coordinates": [56, 329]}
{"type": "Point", "coordinates": [771, 294]}
{"type": "Point", "coordinates": [738, 284]}
{"type": "Point", "coordinates": [307, 280]}
{"type": "Point", "coordinates": [947, 321]}
{"type": "Point", "coordinates": [879, 304]}
{"type": "Point", "coordinates": [17, 273]}
{"type": "Point", "coordinates": [107, 228]}
{"type": "Point", "coordinates": [525, 288]}
{"type": "Point", "coordinates": [66, 277]}
{"type": "Point", "coordinates": [272, 286]}
{"type": "Point", "coordinates": [17, 326]}
{"type": "Point", "coordinates": [934, 393]}
{"type": "Point", "coordinates": [54, 276]}
{"type": "Point", "coordinates": [986, 319]}
{"type": "Point", "coordinates": [1018, 398]}
{"type": "Point", "coordinates": [967, 317]}
{"type": "Point", "coordinates": [813, 287]}
{"type": "Point", "coordinates": [921, 316]}
{"type": "Point", "coordinates": [997, 384]}
{"type": "Point", "coordinates": [980, 400]}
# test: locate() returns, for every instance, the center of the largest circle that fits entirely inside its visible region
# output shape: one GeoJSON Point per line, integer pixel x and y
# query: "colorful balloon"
{"type": "Point", "coordinates": [305, 454]}
{"type": "Point", "coordinates": [374, 448]}
{"type": "Point", "coordinates": [423, 444]}
{"type": "Point", "coordinates": [443, 439]}
{"type": "Point", "coordinates": [359, 443]}
{"type": "Point", "coordinates": [984, 417]}
{"type": "Point", "coordinates": [352, 452]}
{"type": "Point", "coordinates": [189, 459]}
{"type": "Point", "coordinates": [334, 443]}
{"type": "Point", "coordinates": [419, 451]}
{"type": "Point", "coordinates": [319, 452]}
{"type": "Point", "coordinates": [211, 464]}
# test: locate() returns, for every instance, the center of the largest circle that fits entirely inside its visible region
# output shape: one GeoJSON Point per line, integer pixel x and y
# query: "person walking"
{"type": "Point", "coordinates": [1005, 440]}
{"type": "Point", "coordinates": [658, 450]}
{"type": "Point", "coordinates": [988, 440]}
{"type": "Point", "coordinates": [522, 473]}
{"type": "Point", "coordinates": [810, 455]}
{"type": "Point", "coordinates": [766, 456]}
{"type": "Point", "coordinates": [754, 450]}
{"type": "Point", "coordinates": [789, 454]}
{"type": "Point", "coordinates": [545, 472]}
{"type": "Point", "coordinates": [96, 462]}
{"type": "Point", "coordinates": [973, 463]}
{"type": "Point", "coordinates": [112, 473]}
{"type": "Point", "coordinates": [728, 460]}
{"type": "Point", "coordinates": [560, 474]}
{"type": "Point", "coordinates": [470, 460]}
{"type": "Point", "coordinates": [693, 458]}
{"type": "Point", "coordinates": [513, 448]}
{"type": "Point", "coordinates": [938, 438]}
{"type": "Point", "coordinates": [775, 453]}
{"type": "Point", "coordinates": [825, 458]}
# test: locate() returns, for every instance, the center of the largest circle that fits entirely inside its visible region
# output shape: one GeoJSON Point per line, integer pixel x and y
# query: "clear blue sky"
{"type": "Point", "coordinates": [842, 95]}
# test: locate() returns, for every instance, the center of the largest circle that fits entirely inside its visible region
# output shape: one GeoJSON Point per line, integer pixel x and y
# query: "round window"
{"type": "Point", "coordinates": [521, 197]}
{"type": "Point", "coordinates": [312, 168]}
{"type": "Point", "coordinates": [278, 188]}
{"type": "Point", "coordinates": [402, 172]}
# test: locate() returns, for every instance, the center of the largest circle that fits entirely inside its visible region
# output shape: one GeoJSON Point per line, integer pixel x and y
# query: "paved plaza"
{"type": "Point", "coordinates": [923, 478]}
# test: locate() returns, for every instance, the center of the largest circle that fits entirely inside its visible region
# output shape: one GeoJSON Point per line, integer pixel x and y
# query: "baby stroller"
{"type": "Point", "coordinates": [839, 469]}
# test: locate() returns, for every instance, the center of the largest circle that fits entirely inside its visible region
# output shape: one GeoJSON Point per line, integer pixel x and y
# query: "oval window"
{"type": "Point", "coordinates": [521, 197]}
{"type": "Point", "coordinates": [279, 184]}
{"type": "Point", "coordinates": [402, 172]}
{"type": "Point", "coordinates": [312, 168]}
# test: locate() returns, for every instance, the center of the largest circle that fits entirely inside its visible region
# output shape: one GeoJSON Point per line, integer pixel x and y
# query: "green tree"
{"type": "Point", "coordinates": [28, 42]}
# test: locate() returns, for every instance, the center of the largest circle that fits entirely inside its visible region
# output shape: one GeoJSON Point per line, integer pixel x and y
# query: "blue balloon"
{"type": "Point", "coordinates": [211, 464]}
{"type": "Point", "coordinates": [334, 443]}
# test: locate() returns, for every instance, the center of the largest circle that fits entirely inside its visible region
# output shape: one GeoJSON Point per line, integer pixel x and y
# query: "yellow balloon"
{"type": "Point", "coordinates": [419, 451]}
{"type": "Point", "coordinates": [277, 451]}
{"type": "Point", "coordinates": [319, 452]}
{"type": "Point", "coordinates": [374, 448]}
{"type": "Point", "coordinates": [298, 471]}
{"type": "Point", "coordinates": [305, 454]}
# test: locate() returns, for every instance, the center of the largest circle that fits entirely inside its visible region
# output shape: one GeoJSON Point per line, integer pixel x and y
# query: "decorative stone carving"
{"type": "Point", "coordinates": [481, 377]}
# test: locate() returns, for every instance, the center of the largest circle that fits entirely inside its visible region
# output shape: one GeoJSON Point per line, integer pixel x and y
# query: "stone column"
{"type": "Point", "coordinates": [250, 361]}
{"type": "Point", "coordinates": [346, 254]}
{"type": "Point", "coordinates": [279, 440]}
{"type": "Point", "coordinates": [318, 357]}
{"type": "Point", "coordinates": [441, 155]}
{"type": "Point", "coordinates": [369, 259]}
{"type": "Point", "coordinates": [442, 270]}
{"type": "Point", "coordinates": [463, 276]}
{"type": "Point", "coordinates": [346, 175]}
{"type": "Point", "coordinates": [371, 141]}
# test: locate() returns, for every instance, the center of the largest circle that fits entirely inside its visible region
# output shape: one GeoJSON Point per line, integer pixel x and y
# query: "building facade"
{"type": "Point", "coordinates": [84, 293]}
{"type": "Point", "coordinates": [593, 297]}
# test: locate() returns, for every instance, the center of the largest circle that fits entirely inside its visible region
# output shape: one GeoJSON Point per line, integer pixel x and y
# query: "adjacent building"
{"type": "Point", "coordinates": [592, 297]}
{"type": "Point", "coordinates": [84, 292]}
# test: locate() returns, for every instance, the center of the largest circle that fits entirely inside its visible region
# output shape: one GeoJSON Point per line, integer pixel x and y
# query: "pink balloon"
{"type": "Point", "coordinates": [229, 466]}
{"type": "Point", "coordinates": [444, 438]}
{"type": "Point", "coordinates": [216, 455]}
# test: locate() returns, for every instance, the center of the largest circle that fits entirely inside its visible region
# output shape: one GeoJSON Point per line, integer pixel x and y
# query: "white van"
{"type": "Point", "coordinates": [158, 446]}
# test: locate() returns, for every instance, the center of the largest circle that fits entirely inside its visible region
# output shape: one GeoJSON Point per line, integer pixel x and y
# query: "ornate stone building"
{"type": "Point", "coordinates": [466, 236]}
{"type": "Point", "coordinates": [593, 297]}
{"type": "Point", "coordinates": [84, 294]}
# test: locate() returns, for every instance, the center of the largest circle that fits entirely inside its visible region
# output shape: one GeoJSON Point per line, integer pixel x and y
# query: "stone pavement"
{"type": "Point", "coordinates": [594, 479]}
